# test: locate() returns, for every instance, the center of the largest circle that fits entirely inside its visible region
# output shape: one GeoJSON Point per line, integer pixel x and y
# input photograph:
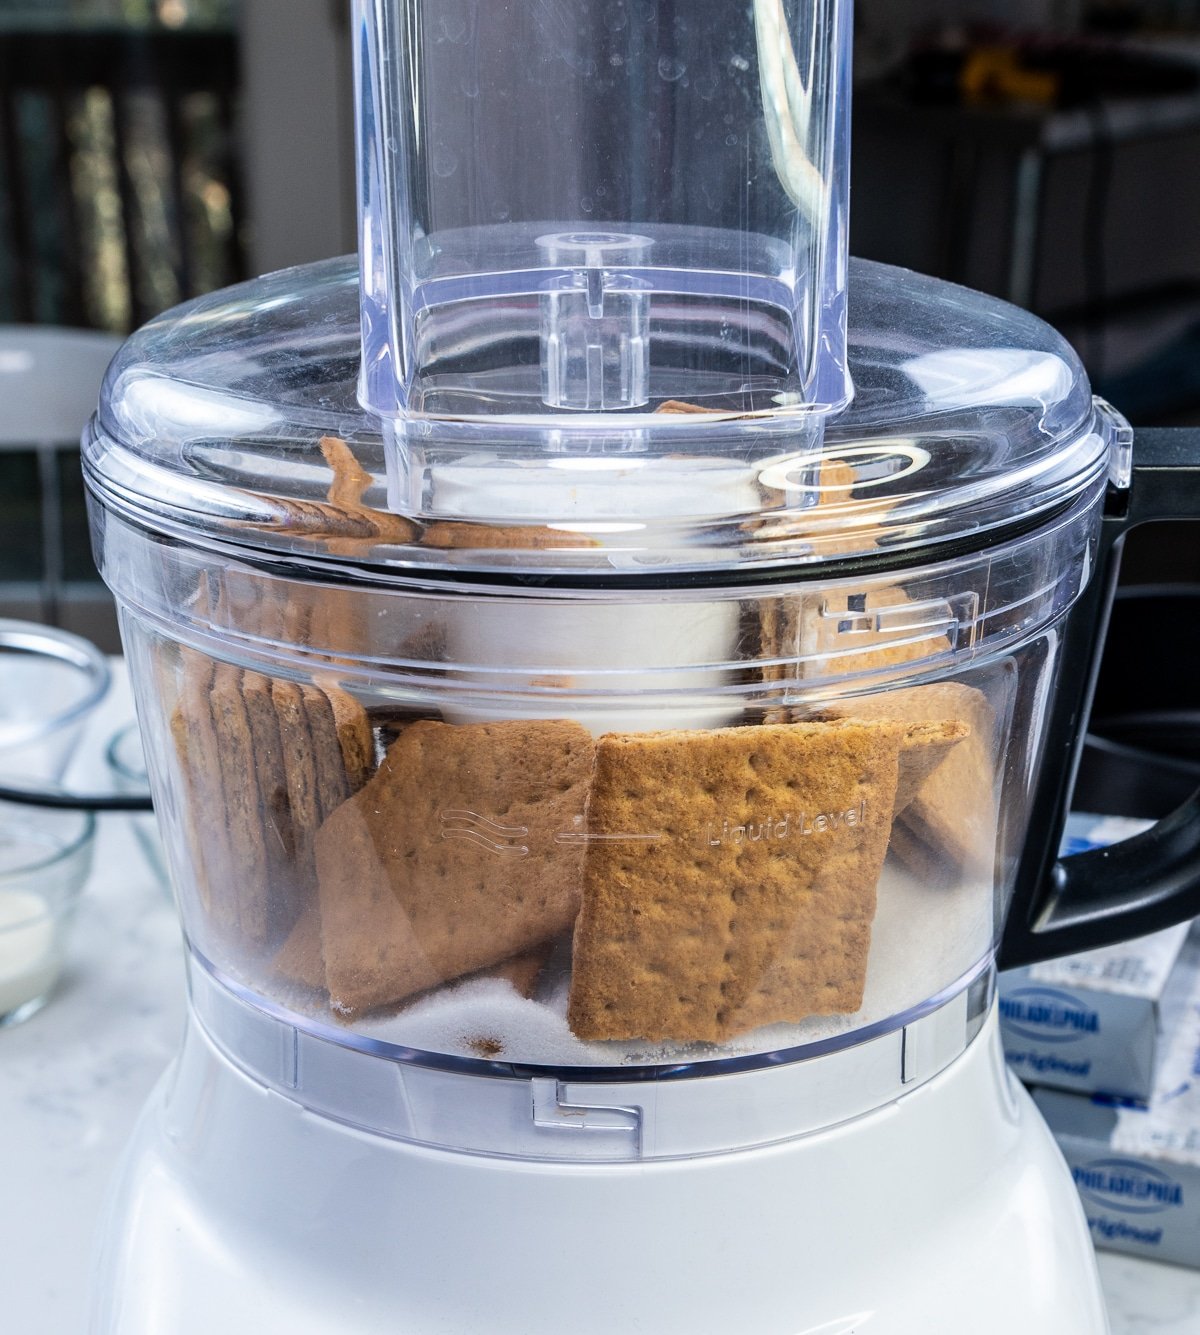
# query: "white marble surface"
{"type": "Point", "coordinates": [1145, 1298]}
{"type": "Point", "coordinates": [73, 1078]}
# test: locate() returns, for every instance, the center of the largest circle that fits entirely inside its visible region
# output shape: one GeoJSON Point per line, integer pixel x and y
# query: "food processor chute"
{"type": "Point", "coordinates": [576, 222]}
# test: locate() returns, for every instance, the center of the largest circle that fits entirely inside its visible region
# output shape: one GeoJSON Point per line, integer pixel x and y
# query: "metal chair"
{"type": "Point", "coordinates": [49, 382]}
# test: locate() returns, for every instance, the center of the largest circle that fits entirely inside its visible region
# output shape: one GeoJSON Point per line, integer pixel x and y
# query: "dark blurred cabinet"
{"type": "Point", "coordinates": [1054, 210]}
{"type": "Point", "coordinates": [119, 183]}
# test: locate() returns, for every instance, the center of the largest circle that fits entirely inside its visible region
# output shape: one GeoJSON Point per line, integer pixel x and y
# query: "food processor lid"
{"type": "Point", "coordinates": [234, 420]}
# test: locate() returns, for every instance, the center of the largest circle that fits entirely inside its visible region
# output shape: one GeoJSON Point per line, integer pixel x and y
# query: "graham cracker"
{"type": "Point", "coordinates": [872, 650]}
{"type": "Point", "coordinates": [318, 519]}
{"type": "Point", "coordinates": [346, 492]}
{"type": "Point", "coordinates": [262, 760]}
{"type": "Point", "coordinates": [200, 771]}
{"type": "Point", "coordinates": [339, 620]}
{"type": "Point", "coordinates": [354, 735]}
{"type": "Point", "coordinates": [795, 626]}
{"type": "Point", "coordinates": [679, 406]}
{"type": "Point", "coordinates": [730, 878]}
{"type": "Point", "coordinates": [351, 481]}
{"type": "Point", "coordinates": [267, 610]}
{"type": "Point", "coordinates": [948, 827]}
{"type": "Point", "coordinates": [242, 805]}
{"type": "Point", "coordinates": [271, 771]}
{"type": "Point", "coordinates": [325, 749]}
{"type": "Point", "coordinates": [780, 618]}
{"type": "Point", "coordinates": [785, 624]}
{"type": "Point", "coordinates": [461, 851]}
{"type": "Point", "coordinates": [922, 749]}
{"type": "Point", "coordinates": [300, 774]}
{"type": "Point", "coordinates": [329, 765]}
{"type": "Point", "coordinates": [348, 525]}
{"type": "Point", "coordinates": [451, 534]}
{"type": "Point", "coordinates": [836, 478]}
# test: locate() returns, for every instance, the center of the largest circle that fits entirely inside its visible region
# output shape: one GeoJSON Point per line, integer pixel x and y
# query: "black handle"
{"type": "Point", "coordinates": [1062, 905]}
{"type": "Point", "coordinates": [57, 800]}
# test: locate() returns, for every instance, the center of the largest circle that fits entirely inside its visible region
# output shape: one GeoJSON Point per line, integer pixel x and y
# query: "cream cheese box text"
{"type": "Point", "coordinates": [1138, 1168]}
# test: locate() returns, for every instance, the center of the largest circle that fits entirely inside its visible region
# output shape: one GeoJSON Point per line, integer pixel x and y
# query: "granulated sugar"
{"type": "Point", "coordinates": [924, 940]}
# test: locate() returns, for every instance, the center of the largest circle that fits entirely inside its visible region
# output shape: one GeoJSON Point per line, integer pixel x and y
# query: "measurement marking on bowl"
{"type": "Point", "coordinates": [504, 839]}
{"type": "Point", "coordinates": [577, 837]}
{"type": "Point", "coordinates": [477, 829]}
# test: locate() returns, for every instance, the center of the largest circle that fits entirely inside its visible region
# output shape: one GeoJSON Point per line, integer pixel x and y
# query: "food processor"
{"type": "Point", "coordinates": [610, 669]}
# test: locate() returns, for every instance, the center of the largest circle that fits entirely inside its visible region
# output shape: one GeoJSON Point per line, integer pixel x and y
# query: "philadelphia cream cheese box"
{"type": "Point", "coordinates": [1138, 1168]}
{"type": "Point", "coordinates": [1093, 1022]}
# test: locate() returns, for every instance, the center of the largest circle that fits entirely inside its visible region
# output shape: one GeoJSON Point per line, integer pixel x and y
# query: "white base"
{"type": "Point", "coordinates": [947, 1210]}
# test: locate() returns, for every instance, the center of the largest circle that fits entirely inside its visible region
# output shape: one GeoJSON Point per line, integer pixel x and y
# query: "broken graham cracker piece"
{"type": "Point", "coordinates": [730, 878]}
{"type": "Point", "coordinates": [917, 855]}
{"type": "Point", "coordinates": [820, 637]}
{"type": "Point", "coordinates": [948, 826]}
{"type": "Point", "coordinates": [301, 958]}
{"type": "Point", "coordinates": [522, 970]}
{"type": "Point", "coordinates": [830, 628]}
{"type": "Point", "coordinates": [452, 857]}
{"type": "Point", "coordinates": [355, 529]}
{"type": "Point", "coordinates": [802, 624]}
{"type": "Point", "coordinates": [839, 524]}
{"type": "Point", "coordinates": [357, 520]}
{"type": "Point", "coordinates": [347, 526]}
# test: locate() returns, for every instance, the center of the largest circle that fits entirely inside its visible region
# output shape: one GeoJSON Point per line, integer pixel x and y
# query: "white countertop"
{"type": "Point", "coordinates": [73, 1078]}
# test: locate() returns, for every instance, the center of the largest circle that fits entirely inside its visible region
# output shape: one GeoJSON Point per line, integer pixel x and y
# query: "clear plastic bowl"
{"type": "Point", "coordinates": [605, 829]}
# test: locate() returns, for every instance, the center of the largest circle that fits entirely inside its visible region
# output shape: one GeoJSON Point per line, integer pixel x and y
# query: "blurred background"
{"type": "Point", "coordinates": [1047, 151]}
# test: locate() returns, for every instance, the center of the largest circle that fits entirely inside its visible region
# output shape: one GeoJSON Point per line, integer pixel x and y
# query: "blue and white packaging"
{"type": "Point", "coordinates": [1093, 1023]}
{"type": "Point", "coordinates": [1138, 1168]}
